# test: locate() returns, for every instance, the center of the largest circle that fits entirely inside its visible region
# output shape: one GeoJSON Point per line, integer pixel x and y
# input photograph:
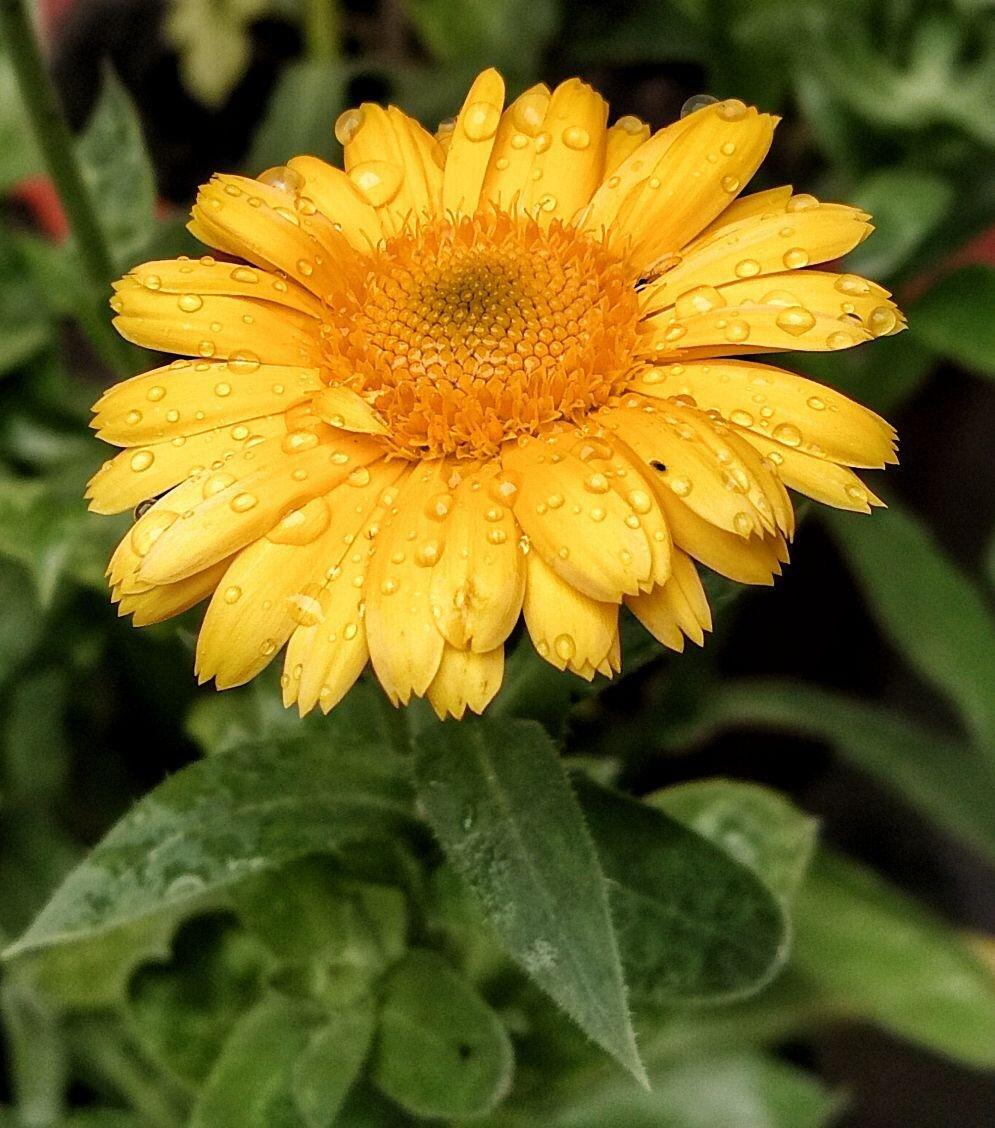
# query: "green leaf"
{"type": "Point", "coordinates": [948, 781]}
{"type": "Point", "coordinates": [25, 324]}
{"type": "Point", "coordinates": [251, 1084]}
{"type": "Point", "coordinates": [508, 34]}
{"type": "Point", "coordinates": [212, 40]}
{"type": "Point", "coordinates": [692, 924]}
{"type": "Point", "coordinates": [330, 1063]}
{"type": "Point", "coordinates": [497, 797]}
{"type": "Point", "coordinates": [743, 1090]}
{"type": "Point", "coordinates": [441, 1050]}
{"type": "Point", "coordinates": [183, 1009]}
{"type": "Point", "coordinates": [927, 607]}
{"type": "Point", "coordinates": [874, 953]}
{"type": "Point", "coordinates": [762, 830]}
{"type": "Point", "coordinates": [217, 821]}
{"type": "Point", "coordinates": [118, 173]}
{"type": "Point", "coordinates": [299, 119]}
{"type": "Point", "coordinates": [954, 318]}
{"type": "Point", "coordinates": [905, 206]}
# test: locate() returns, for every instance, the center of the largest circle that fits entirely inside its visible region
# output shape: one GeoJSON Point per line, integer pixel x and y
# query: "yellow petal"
{"type": "Point", "coordinates": [263, 225]}
{"type": "Point", "coordinates": [478, 583]}
{"type": "Point", "coordinates": [207, 275]}
{"type": "Point", "coordinates": [510, 166]}
{"type": "Point", "coordinates": [762, 246]}
{"type": "Point", "coordinates": [752, 205]}
{"type": "Point", "coordinates": [773, 403]}
{"type": "Point", "coordinates": [675, 609]}
{"type": "Point", "coordinates": [341, 407]}
{"type": "Point", "coordinates": [823, 481]}
{"type": "Point", "coordinates": [668, 191]}
{"type": "Point", "coordinates": [269, 481]}
{"type": "Point", "coordinates": [568, 629]}
{"type": "Point", "coordinates": [466, 680]}
{"type": "Point", "coordinates": [709, 326]}
{"type": "Point", "coordinates": [405, 644]}
{"type": "Point", "coordinates": [187, 397]}
{"type": "Point", "coordinates": [692, 462]}
{"type": "Point", "coordinates": [622, 140]}
{"type": "Point", "coordinates": [471, 143]}
{"type": "Point", "coordinates": [393, 162]}
{"type": "Point", "coordinates": [326, 656]}
{"type": "Point", "coordinates": [159, 603]}
{"type": "Point", "coordinates": [569, 153]}
{"type": "Point", "coordinates": [215, 326]}
{"type": "Point", "coordinates": [747, 560]}
{"type": "Point", "coordinates": [269, 588]}
{"type": "Point", "coordinates": [339, 200]}
{"type": "Point", "coordinates": [137, 474]}
{"type": "Point", "coordinates": [576, 521]}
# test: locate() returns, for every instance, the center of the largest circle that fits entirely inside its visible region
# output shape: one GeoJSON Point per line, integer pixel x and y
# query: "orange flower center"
{"type": "Point", "coordinates": [465, 335]}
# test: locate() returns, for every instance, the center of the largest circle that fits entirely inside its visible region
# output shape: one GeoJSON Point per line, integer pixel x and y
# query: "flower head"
{"type": "Point", "coordinates": [476, 375]}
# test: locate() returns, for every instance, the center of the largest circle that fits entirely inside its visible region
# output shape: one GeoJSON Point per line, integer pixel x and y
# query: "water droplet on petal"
{"type": "Point", "coordinates": [697, 102]}
{"type": "Point", "coordinates": [565, 647]}
{"type": "Point", "coordinates": [788, 434]}
{"type": "Point", "coordinates": [282, 178]}
{"type": "Point", "coordinates": [882, 320]}
{"type": "Point", "coordinates": [348, 124]}
{"type": "Point", "coordinates": [480, 120]}
{"type": "Point", "coordinates": [377, 181]}
{"type": "Point", "coordinates": [142, 460]}
{"type": "Point", "coordinates": [731, 110]}
{"type": "Point", "coordinates": [747, 268]}
{"type": "Point", "coordinates": [574, 137]}
{"type": "Point", "coordinates": [795, 258]}
{"type": "Point", "coordinates": [795, 320]}
{"type": "Point", "coordinates": [243, 502]}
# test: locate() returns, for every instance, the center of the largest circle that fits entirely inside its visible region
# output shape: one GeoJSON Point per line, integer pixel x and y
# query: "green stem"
{"type": "Point", "coordinates": [321, 28]}
{"type": "Point", "coordinates": [58, 148]}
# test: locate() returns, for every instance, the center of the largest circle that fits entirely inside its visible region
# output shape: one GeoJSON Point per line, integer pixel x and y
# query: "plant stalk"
{"type": "Point", "coordinates": [59, 151]}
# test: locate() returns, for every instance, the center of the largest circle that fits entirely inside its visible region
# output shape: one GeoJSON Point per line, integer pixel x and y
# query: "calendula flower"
{"type": "Point", "coordinates": [476, 375]}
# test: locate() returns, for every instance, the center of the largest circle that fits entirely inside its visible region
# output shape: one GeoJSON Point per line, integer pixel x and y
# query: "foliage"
{"type": "Point", "coordinates": [218, 914]}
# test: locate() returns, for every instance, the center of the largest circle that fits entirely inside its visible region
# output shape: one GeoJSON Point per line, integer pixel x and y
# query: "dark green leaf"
{"type": "Point", "coordinates": [955, 318]}
{"type": "Point", "coordinates": [218, 821]}
{"type": "Point", "coordinates": [928, 608]}
{"type": "Point", "coordinates": [876, 954]}
{"type": "Point", "coordinates": [25, 323]}
{"type": "Point", "coordinates": [118, 173]}
{"type": "Point", "coordinates": [692, 923]}
{"type": "Point", "coordinates": [251, 1084]}
{"type": "Point", "coordinates": [502, 808]}
{"type": "Point", "coordinates": [330, 1063]}
{"type": "Point", "coordinates": [441, 1051]}
{"type": "Point", "coordinates": [950, 782]}
{"type": "Point", "coordinates": [758, 827]}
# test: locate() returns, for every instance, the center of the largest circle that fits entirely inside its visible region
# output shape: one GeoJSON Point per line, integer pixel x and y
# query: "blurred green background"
{"type": "Point", "coordinates": [862, 686]}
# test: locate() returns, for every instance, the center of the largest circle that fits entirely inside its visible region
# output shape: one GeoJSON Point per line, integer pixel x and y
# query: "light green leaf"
{"type": "Point", "coordinates": [955, 318]}
{"type": "Point", "coordinates": [330, 1063]}
{"type": "Point", "coordinates": [441, 1051]}
{"type": "Point", "coordinates": [183, 1009]}
{"type": "Point", "coordinates": [118, 173]}
{"type": "Point", "coordinates": [692, 924]}
{"type": "Point", "coordinates": [874, 953]}
{"type": "Point", "coordinates": [251, 1084]}
{"type": "Point", "coordinates": [212, 40]}
{"type": "Point", "coordinates": [758, 827]}
{"type": "Point", "coordinates": [301, 115]}
{"type": "Point", "coordinates": [744, 1090]}
{"type": "Point", "coordinates": [927, 607]}
{"type": "Point", "coordinates": [497, 797]}
{"type": "Point", "coordinates": [906, 205]}
{"type": "Point", "coordinates": [948, 781]}
{"type": "Point", "coordinates": [217, 821]}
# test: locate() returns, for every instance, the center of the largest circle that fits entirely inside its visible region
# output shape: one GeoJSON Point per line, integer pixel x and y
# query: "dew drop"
{"type": "Point", "coordinates": [480, 121]}
{"type": "Point", "coordinates": [732, 110]}
{"type": "Point", "coordinates": [839, 341]}
{"type": "Point", "coordinates": [702, 299]}
{"type": "Point", "coordinates": [795, 258]}
{"type": "Point", "coordinates": [155, 393]}
{"type": "Point", "coordinates": [244, 274]}
{"type": "Point", "coordinates": [741, 418]}
{"type": "Point", "coordinates": [795, 320]}
{"type": "Point", "coordinates": [853, 285]}
{"type": "Point", "coordinates": [730, 184]}
{"type": "Point", "coordinates": [152, 282]}
{"type": "Point", "coordinates": [737, 330]}
{"type": "Point", "coordinates": [377, 181]}
{"type": "Point", "coordinates": [694, 103]}
{"type": "Point", "coordinates": [748, 268]}
{"type": "Point", "coordinates": [565, 647]}
{"type": "Point", "coordinates": [529, 112]}
{"type": "Point", "coordinates": [882, 321]}
{"type": "Point", "coordinates": [243, 362]}
{"type": "Point", "coordinates": [150, 529]}
{"type": "Point", "coordinates": [243, 502]}
{"type": "Point", "coordinates": [742, 524]}
{"type": "Point", "coordinates": [788, 434]}
{"type": "Point", "coordinates": [428, 553]}
{"type": "Point", "coordinates": [283, 179]}
{"type": "Point", "coordinates": [142, 460]}
{"type": "Point", "coordinates": [680, 486]}
{"type": "Point", "coordinates": [497, 536]}
{"type": "Point", "coordinates": [348, 124]}
{"type": "Point", "coordinates": [802, 202]}
{"type": "Point", "coordinates": [816, 404]}
{"type": "Point", "coordinates": [574, 137]}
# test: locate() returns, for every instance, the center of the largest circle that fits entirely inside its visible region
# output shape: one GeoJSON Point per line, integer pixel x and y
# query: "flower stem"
{"type": "Point", "coordinates": [57, 147]}
{"type": "Point", "coordinates": [321, 26]}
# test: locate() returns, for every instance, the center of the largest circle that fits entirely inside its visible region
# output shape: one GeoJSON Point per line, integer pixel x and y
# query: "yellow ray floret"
{"type": "Point", "coordinates": [507, 371]}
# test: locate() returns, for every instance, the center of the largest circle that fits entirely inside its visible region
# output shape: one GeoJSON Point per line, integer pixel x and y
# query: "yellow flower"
{"type": "Point", "coordinates": [476, 375]}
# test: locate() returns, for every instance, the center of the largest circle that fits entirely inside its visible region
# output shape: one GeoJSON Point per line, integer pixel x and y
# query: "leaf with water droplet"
{"type": "Point", "coordinates": [529, 859]}
{"type": "Point", "coordinates": [692, 922]}
{"type": "Point", "coordinates": [241, 811]}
